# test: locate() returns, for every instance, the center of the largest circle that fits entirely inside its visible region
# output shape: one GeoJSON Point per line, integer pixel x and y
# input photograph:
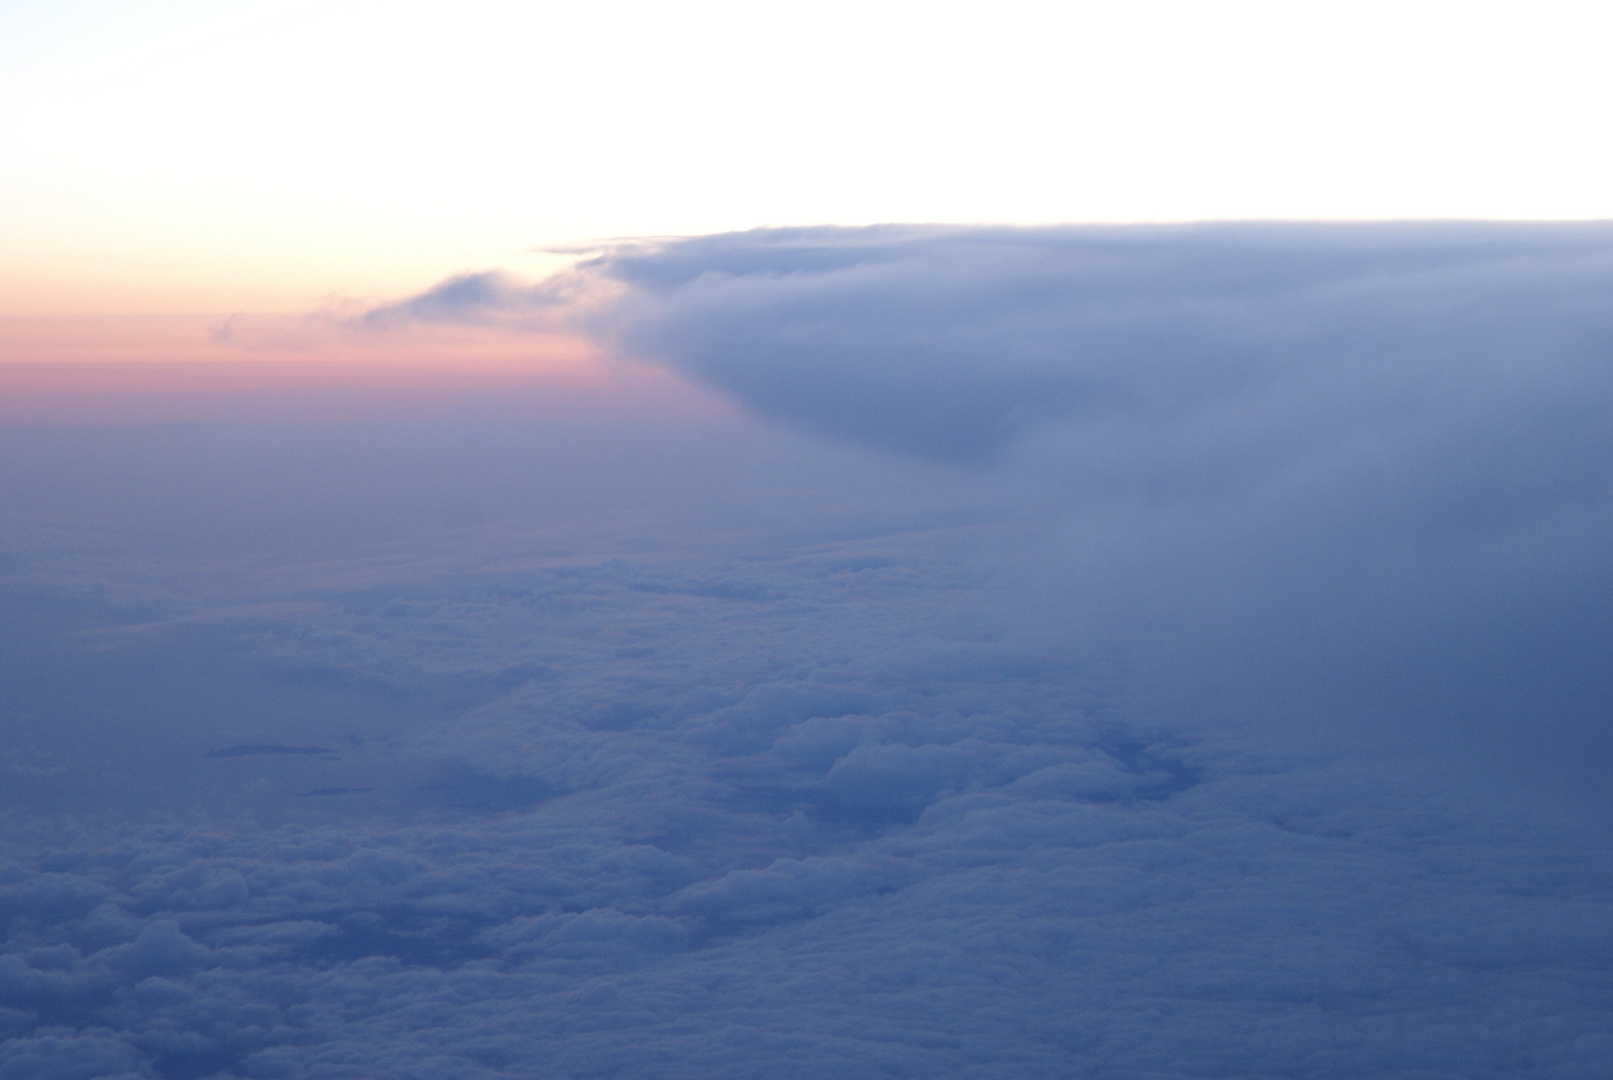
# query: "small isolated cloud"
{"type": "Point", "coordinates": [463, 298]}
{"type": "Point", "coordinates": [493, 296]}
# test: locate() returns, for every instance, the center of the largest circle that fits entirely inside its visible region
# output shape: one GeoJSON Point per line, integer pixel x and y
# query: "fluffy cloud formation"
{"type": "Point", "coordinates": [1375, 455]}
{"type": "Point", "coordinates": [793, 801]}
{"type": "Point", "coordinates": [951, 342]}
{"type": "Point", "coordinates": [1224, 696]}
{"type": "Point", "coordinates": [783, 773]}
{"type": "Point", "coordinates": [1373, 458]}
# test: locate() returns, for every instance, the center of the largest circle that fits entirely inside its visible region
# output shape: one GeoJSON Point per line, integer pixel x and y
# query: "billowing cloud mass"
{"type": "Point", "coordinates": [1102, 653]}
{"type": "Point", "coordinates": [951, 342]}
{"type": "Point", "coordinates": [1333, 447]}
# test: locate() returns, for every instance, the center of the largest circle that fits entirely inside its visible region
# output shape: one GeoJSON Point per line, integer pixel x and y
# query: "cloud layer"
{"type": "Point", "coordinates": [793, 793]}
{"type": "Point", "coordinates": [952, 342]}
{"type": "Point", "coordinates": [1185, 657]}
{"type": "Point", "coordinates": [1374, 459]}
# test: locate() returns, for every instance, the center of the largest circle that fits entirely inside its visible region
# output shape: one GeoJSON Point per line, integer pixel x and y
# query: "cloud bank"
{"type": "Point", "coordinates": [951, 342]}
{"type": "Point", "coordinates": [1102, 653]}
{"type": "Point", "coordinates": [1374, 459]}
{"type": "Point", "coordinates": [790, 794]}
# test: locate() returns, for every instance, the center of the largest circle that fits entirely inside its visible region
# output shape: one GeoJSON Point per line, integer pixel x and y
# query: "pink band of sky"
{"type": "Point", "coordinates": [111, 370]}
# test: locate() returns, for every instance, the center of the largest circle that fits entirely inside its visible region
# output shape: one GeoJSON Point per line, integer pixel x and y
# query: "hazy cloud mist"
{"type": "Point", "coordinates": [1114, 653]}
{"type": "Point", "coordinates": [1373, 462]}
{"type": "Point", "coordinates": [950, 342]}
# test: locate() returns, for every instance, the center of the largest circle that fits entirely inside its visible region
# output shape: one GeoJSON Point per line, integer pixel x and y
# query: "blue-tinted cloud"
{"type": "Point", "coordinates": [795, 786]}
{"type": "Point", "coordinates": [952, 342]}
{"type": "Point", "coordinates": [1373, 458]}
{"type": "Point", "coordinates": [1237, 708]}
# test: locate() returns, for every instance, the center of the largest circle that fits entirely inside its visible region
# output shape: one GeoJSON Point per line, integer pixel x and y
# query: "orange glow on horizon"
{"type": "Point", "coordinates": [112, 370]}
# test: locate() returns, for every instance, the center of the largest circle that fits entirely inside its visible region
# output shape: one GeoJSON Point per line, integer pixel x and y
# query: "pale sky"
{"type": "Point", "coordinates": [219, 157]}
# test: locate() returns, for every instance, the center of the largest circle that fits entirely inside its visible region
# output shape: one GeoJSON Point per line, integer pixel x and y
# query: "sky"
{"type": "Point", "coordinates": [862, 541]}
{"type": "Point", "coordinates": [222, 157]}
